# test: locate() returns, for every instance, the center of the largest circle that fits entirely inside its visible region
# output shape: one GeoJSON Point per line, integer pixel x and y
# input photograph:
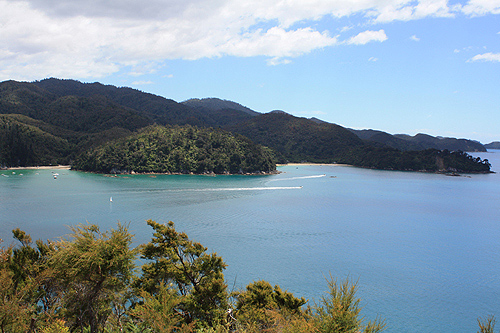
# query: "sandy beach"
{"type": "Point", "coordinates": [317, 164]}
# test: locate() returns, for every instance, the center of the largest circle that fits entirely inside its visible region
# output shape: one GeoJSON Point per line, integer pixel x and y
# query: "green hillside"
{"type": "Point", "coordinates": [305, 140]}
{"type": "Point", "coordinates": [299, 139]}
{"type": "Point", "coordinates": [441, 143]}
{"type": "Point", "coordinates": [178, 149]}
{"type": "Point", "coordinates": [80, 114]}
{"type": "Point", "coordinates": [417, 142]}
{"type": "Point", "coordinates": [156, 108]}
{"type": "Point", "coordinates": [493, 145]}
{"type": "Point", "coordinates": [22, 144]}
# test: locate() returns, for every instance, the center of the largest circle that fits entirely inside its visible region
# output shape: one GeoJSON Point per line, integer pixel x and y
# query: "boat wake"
{"type": "Point", "coordinates": [248, 188]}
{"type": "Point", "coordinates": [212, 189]}
{"type": "Point", "coordinates": [301, 177]}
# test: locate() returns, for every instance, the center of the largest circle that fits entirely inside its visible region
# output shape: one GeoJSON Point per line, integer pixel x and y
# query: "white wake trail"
{"type": "Point", "coordinates": [301, 177]}
{"type": "Point", "coordinates": [249, 188]}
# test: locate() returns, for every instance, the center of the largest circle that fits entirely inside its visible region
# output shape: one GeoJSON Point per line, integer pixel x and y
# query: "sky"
{"type": "Point", "coordinates": [400, 66]}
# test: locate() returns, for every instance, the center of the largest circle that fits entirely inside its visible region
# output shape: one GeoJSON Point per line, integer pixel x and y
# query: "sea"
{"type": "Point", "coordinates": [423, 248]}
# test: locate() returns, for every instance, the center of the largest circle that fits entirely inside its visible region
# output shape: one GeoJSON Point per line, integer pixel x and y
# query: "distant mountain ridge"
{"type": "Point", "coordinates": [216, 104]}
{"type": "Point", "coordinates": [87, 115]}
{"type": "Point", "coordinates": [493, 145]}
{"type": "Point", "coordinates": [299, 139]}
{"type": "Point", "coordinates": [419, 141]}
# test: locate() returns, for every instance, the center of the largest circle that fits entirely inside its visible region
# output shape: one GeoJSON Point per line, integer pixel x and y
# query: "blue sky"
{"type": "Point", "coordinates": [399, 66]}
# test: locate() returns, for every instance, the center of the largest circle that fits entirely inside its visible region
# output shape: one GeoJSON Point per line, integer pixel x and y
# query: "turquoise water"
{"type": "Point", "coordinates": [424, 247]}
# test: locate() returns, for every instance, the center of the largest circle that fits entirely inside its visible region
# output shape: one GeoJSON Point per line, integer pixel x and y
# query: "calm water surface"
{"type": "Point", "coordinates": [424, 247]}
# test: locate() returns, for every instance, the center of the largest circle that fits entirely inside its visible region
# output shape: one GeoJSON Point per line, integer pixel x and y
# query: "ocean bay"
{"type": "Point", "coordinates": [424, 247]}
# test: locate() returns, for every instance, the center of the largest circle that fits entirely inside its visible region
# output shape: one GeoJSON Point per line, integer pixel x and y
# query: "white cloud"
{"type": "Point", "coordinates": [84, 39]}
{"type": "Point", "coordinates": [389, 11]}
{"type": "Point", "coordinates": [481, 7]}
{"type": "Point", "coordinates": [346, 28]}
{"type": "Point", "coordinates": [141, 83]}
{"type": "Point", "coordinates": [145, 68]}
{"type": "Point", "coordinates": [368, 36]}
{"type": "Point", "coordinates": [277, 43]}
{"type": "Point", "coordinates": [495, 57]}
{"type": "Point", "coordinates": [415, 38]}
{"type": "Point", "coordinates": [373, 59]}
{"type": "Point", "coordinates": [278, 61]}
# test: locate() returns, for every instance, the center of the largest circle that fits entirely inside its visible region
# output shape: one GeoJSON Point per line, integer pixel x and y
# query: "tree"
{"type": "Point", "coordinates": [15, 311]}
{"type": "Point", "coordinates": [156, 312]}
{"type": "Point", "coordinates": [95, 269]}
{"type": "Point", "coordinates": [487, 325]}
{"type": "Point", "coordinates": [26, 284]}
{"type": "Point", "coordinates": [340, 310]}
{"type": "Point", "coordinates": [261, 307]}
{"type": "Point", "coordinates": [196, 276]}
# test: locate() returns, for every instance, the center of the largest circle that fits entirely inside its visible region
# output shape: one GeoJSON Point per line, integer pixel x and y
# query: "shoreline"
{"type": "Point", "coordinates": [44, 167]}
{"type": "Point", "coordinates": [68, 167]}
{"type": "Point", "coordinates": [314, 164]}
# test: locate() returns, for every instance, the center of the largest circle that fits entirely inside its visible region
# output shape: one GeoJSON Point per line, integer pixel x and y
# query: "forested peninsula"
{"type": "Point", "coordinates": [102, 128]}
{"type": "Point", "coordinates": [176, 149]}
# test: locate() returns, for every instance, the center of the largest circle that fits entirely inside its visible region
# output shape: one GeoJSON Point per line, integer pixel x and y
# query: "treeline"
{"type": "Point", "coordinates": [89, 283]}
{"type": "Point", "coordinates": [179, 149]}
{"type": "Point", "coordinates": [429, 160]}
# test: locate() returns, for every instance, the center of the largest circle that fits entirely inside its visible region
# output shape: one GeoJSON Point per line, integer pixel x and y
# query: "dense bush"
{"type": "Point", "coordinates": [26, 145]}
{"type": "Point", "coordinates": [178, 149]}
{"type": "Point", "coordinates": [430, 160]}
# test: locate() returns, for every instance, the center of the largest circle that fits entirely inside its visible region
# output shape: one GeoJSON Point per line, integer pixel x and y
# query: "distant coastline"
{"type": "Point", "coordinates": [307, 163]}
{"type": "Point", "coordinates": [44, 167]}
{"type": "Point", "coordinates": [68, 167]}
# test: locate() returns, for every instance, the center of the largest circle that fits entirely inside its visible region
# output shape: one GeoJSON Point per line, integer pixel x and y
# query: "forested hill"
{"type": "Point", "coordinates": [300, 139]}
{"type": "Point", "coordinates": [70, 112]}
{"type": "Point", "coordinates": [216, 104]}
{"type": "Point", "coordinates": [157, 109]}
{"type": "Point", "coordinates": [493, 145]}
{"type": "Point", "coordinates": [54, 121]}
{"type": "Point", "coordinates": [24, 142]}
{"type": "Point", "coordinates": [177, 149]}
{"type": "Point", "coordinates": [304, 140]}
{"type": "Point", "coordinates": [417, 142]}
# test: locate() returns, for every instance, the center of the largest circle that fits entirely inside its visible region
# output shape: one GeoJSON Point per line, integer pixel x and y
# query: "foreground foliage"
{"type": "Point", "coordinates": [88, 283]}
